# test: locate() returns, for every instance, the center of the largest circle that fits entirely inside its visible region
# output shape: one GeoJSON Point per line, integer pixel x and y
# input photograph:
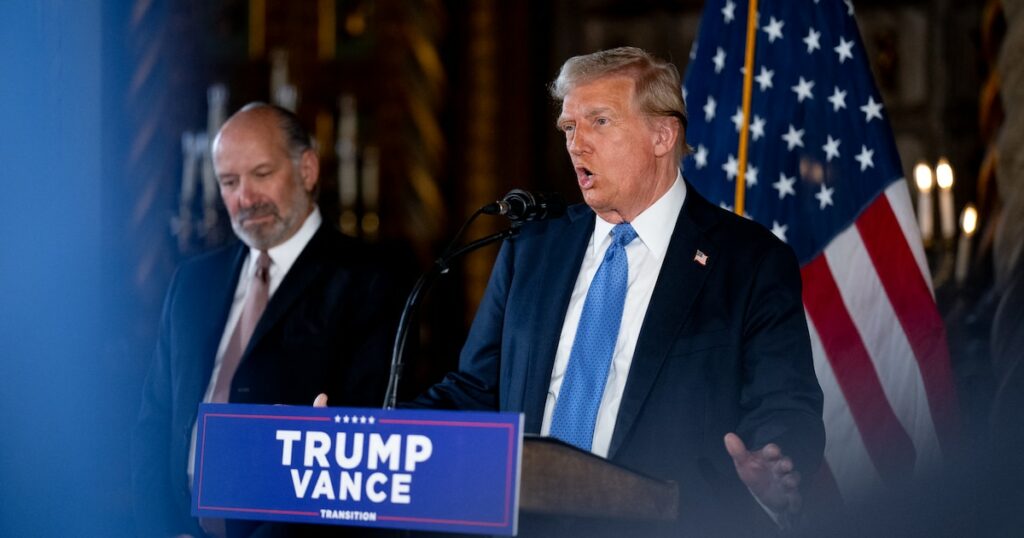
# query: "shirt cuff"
{"type": "Point", "coordinates": [782, 520]}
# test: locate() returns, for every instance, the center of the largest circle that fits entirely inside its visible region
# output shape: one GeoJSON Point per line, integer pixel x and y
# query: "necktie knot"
{"type": "Point", "coordinates": [263, 267]}
{"type": "Point", "coordinates": [622, 234]}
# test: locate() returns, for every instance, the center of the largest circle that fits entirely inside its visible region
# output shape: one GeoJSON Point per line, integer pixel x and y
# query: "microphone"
{"type": "Point", "coordinates": [520, 205]}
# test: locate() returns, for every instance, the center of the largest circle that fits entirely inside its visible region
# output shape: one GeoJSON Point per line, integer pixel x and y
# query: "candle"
{"type": "Point", "coordinates": [278, 71]}
{"type": "Point", "coordinates": [371, 190]}
{"type": "Point", "coordinates": [209, 183]}
{"type": "Point", "coordinates": [216, 108]}
{"type": "Point", "coordinates": [345, 148]}
{"type": "Point", "coordinates": [189, 156]}
{"type": "Point", "coordinates": [923, 177]}
{"type": "Point", "coordinates": [182, 224]}
{"type": "Point", "coordinates": [944, 178]}
{"type": "Point", "coordinates": [287, 97]}
{"type": "Point", "coordinates": [216, 112]}
{"type": "Point", "coordinates": [371, 174]}
{"type": "Point", "coordinates": [968, 225]}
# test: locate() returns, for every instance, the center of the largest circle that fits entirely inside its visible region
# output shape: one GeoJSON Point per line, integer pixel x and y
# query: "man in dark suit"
{"type": "Point", "coordinates": [648, 326]}
{"type": "Point", "coordinates": [295, 309]}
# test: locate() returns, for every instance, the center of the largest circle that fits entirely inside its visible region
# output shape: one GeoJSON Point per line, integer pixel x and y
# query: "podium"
{"type": "Point", "coordinates": [560, 480]}
{"type": "Point", "coordinates": [443, 471]}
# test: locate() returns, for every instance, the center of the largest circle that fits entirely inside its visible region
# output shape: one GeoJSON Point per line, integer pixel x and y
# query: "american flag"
{"type": "Point", "coordinates": [823, 174]}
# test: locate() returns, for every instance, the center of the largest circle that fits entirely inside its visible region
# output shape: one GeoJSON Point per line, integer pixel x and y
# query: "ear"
{"type": "Point", "coordinates": [309, 169]}
{"type": "Point", "coordinates": [665, 133]}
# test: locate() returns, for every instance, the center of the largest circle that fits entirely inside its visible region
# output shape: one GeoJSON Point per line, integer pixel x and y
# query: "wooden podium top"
{"type": "Point", "coordinates": [560, 479]}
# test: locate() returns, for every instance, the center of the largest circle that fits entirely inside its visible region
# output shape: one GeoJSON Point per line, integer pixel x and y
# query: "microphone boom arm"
{"type": "Point", "coordinates": [412, 304]}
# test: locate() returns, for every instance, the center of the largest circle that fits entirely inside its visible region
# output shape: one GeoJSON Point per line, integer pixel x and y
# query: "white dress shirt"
{"type": "Point", "coordinates": [645, 255]}
{"type": "Point", "coordinates": [282, 258]}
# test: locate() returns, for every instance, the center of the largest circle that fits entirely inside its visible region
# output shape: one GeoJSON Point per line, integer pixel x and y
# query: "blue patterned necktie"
{"type": "Point", "coordinates": [585, 377]}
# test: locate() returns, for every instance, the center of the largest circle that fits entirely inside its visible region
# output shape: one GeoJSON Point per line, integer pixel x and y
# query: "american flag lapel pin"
{"type": "Point", "coordinates": [700, 258]}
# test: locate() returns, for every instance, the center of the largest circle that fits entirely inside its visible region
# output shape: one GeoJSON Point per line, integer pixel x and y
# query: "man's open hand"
{"type": "Point", "coordinates": [768, 473]}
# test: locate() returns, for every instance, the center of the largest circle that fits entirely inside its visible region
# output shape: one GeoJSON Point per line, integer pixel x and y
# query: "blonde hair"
{"type": "Point", "coordinates": [657, 86]}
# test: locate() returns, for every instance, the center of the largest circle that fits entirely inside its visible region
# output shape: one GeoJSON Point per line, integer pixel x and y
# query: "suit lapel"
{"type": "Point", "coordinates": [556, 285]}
{"type": "Point", "coordinates": [678, 285]}
{"type": "Point", "coordinates": [213, 325]}
{"type": "Point", "coordinates": [306, 268]}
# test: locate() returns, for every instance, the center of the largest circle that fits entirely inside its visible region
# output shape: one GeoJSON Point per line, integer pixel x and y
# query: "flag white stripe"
{"type": "Point", "coordinates": [847, 457]}
{"type": "Point", "coordinates": [899, 201]}
{"type": "Point", "coordinates": [890, 351]}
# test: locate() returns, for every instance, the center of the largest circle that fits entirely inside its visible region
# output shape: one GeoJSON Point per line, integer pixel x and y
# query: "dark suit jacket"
{"type": "Point", "coordinates": [724, 348]}
{"type": "Point", "coordinates": [327, 328]}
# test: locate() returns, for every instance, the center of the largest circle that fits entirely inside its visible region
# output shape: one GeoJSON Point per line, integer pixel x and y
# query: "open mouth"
{"type": "Point", "coordinates": [585, 177]}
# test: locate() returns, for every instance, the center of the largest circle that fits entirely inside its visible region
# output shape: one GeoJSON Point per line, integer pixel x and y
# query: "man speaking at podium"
{"type": "Point", "coordinates": [295, 309]}
{"type": "Point", "coordinates": [649, 326]}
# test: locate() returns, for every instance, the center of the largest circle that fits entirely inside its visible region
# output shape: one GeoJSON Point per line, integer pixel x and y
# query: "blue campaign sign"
{"type": "Point", "coordinates": [406, 469]}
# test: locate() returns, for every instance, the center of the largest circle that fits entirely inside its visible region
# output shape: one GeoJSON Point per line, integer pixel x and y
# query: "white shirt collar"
{"type": "Point", "coordinates": [655, 224]}
{"type": "Point", "coordinates": [283, 256]}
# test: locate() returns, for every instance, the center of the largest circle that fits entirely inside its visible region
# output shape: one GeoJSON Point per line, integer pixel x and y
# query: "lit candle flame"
{"type": "Point", "coordinates": [923, 177]}
{"type": "Point", "coordinates": [944, 174]}
{"type": "Point", "coordinates": [969, 220]}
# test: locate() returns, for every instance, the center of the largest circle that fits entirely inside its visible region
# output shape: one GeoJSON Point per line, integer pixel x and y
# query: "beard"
{"type": "Point", "coordinates": [274, 227]}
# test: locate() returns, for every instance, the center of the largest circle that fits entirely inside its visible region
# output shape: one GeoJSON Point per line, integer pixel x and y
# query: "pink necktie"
{"type": "Point", "coordinates": [252, 309]}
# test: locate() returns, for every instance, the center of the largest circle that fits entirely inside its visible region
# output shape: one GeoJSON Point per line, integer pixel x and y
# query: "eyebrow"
{"type": "Point", "coordinates": [589, 114]}
{"type": "Point", "coordinates": [598, 111]}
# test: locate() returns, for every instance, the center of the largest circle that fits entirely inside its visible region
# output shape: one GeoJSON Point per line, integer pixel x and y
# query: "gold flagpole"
{"type": "Point", "coordinates": [748, 83]}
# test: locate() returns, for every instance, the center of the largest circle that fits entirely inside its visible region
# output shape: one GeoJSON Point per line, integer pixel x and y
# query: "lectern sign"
{"type": "Point", "coordinates": [423, 470]}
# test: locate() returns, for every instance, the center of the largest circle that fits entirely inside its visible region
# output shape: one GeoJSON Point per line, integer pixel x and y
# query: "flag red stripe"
{"type": "Point", "coordinates": [886, 441]}
{"type": "Point", "coordinates": [911, 300]}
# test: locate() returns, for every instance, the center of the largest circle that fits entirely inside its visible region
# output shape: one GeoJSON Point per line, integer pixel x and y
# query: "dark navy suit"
{"type": "Point", "coordinates": [327, 328]}
{"type": "Point", "coordinates": [724, 348]}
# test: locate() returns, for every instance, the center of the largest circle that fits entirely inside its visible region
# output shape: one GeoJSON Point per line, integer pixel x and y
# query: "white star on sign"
{"type": "Point", "coordinates": [812, 40]}
{"type": "Point", "coordinates": [729, 11]}
{"type": "Point", "coordinates": [844, 50]}
{"type": "Point", "coordinates": [865, 158]}
{"type": "Point", "coordinates": [750, 178]}
{"type": "Point", "coordinates": [774, 29]}
{"type": "Point", "coordinates": [831, 148]}
{"type": "Point", "coordinates": [337, 419]}
{"type": "Point", "coordinates": [793, 138]}
{"type": "Point", "coordinates": [701, 156]}
{"type": "Point", "coordinates": [709, 109]}
{"type": "Point", "coordinates": [871, 110]}
{"type": "Point", "coordinates": [731, 167]}
{"type": "Point", "coordinates": [803, 90]}
{"type": "Point", "coordinates": [371, 420]}
{"type": "Point", "coordinates": [784, 185]}
{"type": "Point", "coordinates": [757, 127]}
{"type": "Point", "coordinates": [838, 99]}
{"type": "Point", "coordinates": [719, 60]}
{"type": "Point", "coordinates": [779, 230]}
{"type": "Point", "coordinates": [764, 78]}
{"type": "Point", "coordinates": [824, 196]}
{"type": "Point", "coordinates": [345, 419]}
{"type": "Point", "coordinates": [737, 119]}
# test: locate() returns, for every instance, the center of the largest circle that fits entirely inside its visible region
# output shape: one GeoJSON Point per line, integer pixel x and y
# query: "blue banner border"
{"type": "Point", "coordinates": [509, 520]}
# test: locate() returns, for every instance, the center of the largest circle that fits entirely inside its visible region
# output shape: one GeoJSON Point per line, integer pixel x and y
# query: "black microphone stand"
{"type": "Point", "coordinates": [412, 303]}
